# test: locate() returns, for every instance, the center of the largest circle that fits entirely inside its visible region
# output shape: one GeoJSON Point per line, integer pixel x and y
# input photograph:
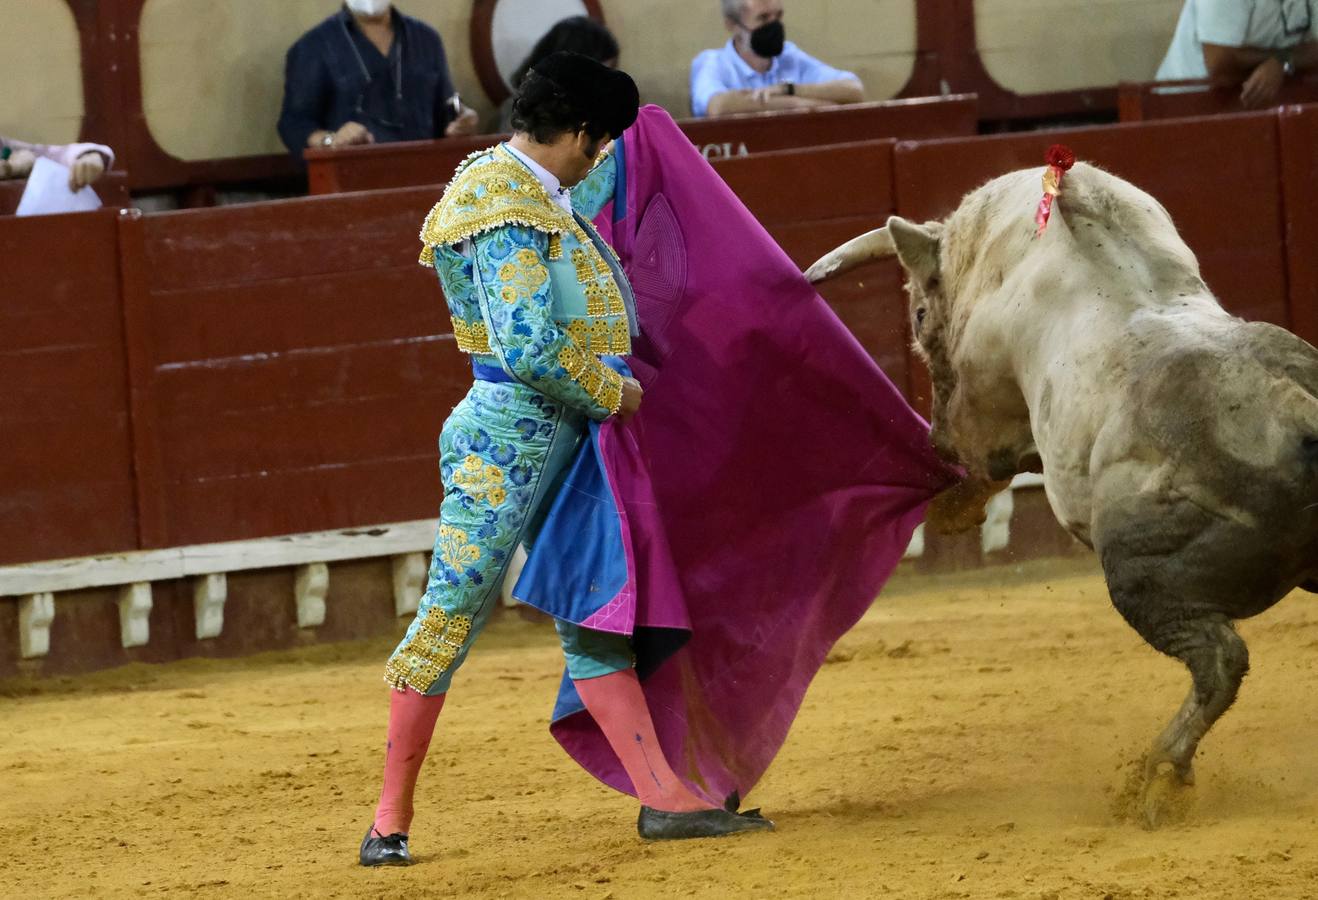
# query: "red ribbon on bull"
{"type": "Point", "coordinates": [1059, 159]}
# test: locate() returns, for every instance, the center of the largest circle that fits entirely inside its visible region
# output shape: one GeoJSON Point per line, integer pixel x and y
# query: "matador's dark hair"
{"type": "Point", "coordinates": [568, 92]}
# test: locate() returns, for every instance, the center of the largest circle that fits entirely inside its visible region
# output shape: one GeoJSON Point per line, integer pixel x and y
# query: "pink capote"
{"type": "Point", "coordinates": [767, 488]}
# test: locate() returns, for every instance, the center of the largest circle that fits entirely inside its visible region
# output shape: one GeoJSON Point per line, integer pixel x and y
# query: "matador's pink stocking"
{"type": "Point", "coordinates": [618, 707]}
{"type": "Point", "coordinates": [411, 723]}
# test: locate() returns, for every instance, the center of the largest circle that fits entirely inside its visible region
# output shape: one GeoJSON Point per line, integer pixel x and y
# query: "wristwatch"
{"type": "Point", "coordinates": [327, 140]}
{"type": "Point", "coordinates": [789, 88]}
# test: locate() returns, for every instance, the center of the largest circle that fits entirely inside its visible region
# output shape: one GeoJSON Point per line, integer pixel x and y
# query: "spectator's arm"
{"type": "Point", "coordinates": [1221, 26]}
{"type": "Point", "coordinates": [820, 81]}
{"type": "Point", "coordinates": [730, 102]}
{"type": "Point", "coordinates": [306, 85]}
{"type": "Point", "coordinates": [841, 90]}
{"type": "Point", "coordinates": [64, 154]}
{"type": "Point", "coordinates": [1232, 65]}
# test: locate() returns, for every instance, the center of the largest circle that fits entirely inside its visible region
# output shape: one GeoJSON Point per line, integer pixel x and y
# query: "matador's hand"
{"type": "Point", "coordinates": [631, 399]}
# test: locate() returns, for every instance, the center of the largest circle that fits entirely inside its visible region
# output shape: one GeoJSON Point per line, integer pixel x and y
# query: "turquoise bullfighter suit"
{"type": "Point", "coordinates": [541, 303]}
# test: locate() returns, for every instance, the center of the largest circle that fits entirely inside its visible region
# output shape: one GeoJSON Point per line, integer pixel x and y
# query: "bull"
{"type": "Point", "coordinates": [1177, 441]}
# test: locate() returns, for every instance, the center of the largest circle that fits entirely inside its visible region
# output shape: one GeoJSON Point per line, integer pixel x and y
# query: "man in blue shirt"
{"type": "Point", "coordinates": [369, 74]}
{"type": "Point", "coordinates": [759, 69]}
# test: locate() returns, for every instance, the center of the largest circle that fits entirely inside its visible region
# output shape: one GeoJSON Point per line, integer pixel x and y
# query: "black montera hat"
{"type": "Point", "coordinates": [605, 97]}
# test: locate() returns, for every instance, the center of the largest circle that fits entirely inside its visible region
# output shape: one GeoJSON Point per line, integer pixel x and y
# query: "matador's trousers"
{"type": "Point", "coordinates": [504, 453]}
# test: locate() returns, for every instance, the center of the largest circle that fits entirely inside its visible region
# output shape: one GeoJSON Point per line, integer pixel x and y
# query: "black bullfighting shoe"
{"type": "Point", "coordinates": [384, 850]}
{"type": "Point", "coordinates": [657, 825]}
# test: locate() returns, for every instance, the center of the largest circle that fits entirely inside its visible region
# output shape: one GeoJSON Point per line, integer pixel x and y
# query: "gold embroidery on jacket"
{"type": "Point", "coordinates": [472, 337]}
{"type": "Point", "coordinates": [490, 190]}
{"type": "Point", "coordinates": [599, 381]}
{"type": "Point", "coordinates": [430, 652]}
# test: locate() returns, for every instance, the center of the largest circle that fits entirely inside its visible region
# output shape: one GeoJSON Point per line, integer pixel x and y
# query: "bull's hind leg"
{"type": "Point", "coordinates": [1217, 659]}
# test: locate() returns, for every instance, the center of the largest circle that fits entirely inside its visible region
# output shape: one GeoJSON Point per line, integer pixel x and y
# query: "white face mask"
{"type": "Point", "coordinates": [368, 7]}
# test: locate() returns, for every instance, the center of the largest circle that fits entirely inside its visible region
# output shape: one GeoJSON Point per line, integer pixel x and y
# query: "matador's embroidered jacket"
{"type": "Point", "coordinates": [536, 293]}
{"type": "Point", "coordinates": [542, 294]}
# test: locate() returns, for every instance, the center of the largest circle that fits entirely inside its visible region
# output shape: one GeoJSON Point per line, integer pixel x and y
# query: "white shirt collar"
{"type": "Point", "coordinates": [547, 178]}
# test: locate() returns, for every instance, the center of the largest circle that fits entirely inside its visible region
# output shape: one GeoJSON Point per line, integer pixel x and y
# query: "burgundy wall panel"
{"type": "Point", "coordinates": [1218, 177]}
{"type": "Point", "coordinates": [66, 464]}
{"type": "Point", "coordinates": [1142, 101]}
{"type": "Point", "coordinates": [429, 162]}
{"type": "Point", "coordinates": [1299, 186]}
{"type": "Point", "coordinates": [297, 366]}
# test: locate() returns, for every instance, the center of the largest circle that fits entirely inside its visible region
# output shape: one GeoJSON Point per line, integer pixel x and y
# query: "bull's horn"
{"type": "Point", "coordinates": [876, 244]}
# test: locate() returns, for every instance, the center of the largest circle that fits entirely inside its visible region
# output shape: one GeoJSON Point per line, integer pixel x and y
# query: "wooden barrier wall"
{"type": "Point", "coordinates": [1143, 101]}
{"type": "Point", "coordinates": [66, 480]}
{"type": "Point", "coordinates": [292, 367]}
{"type": "Point", "coordinates": [409, 163]}
{"type": "Point", "coordinates": [283, 366]}
{"type": "Point", "coordinates": [1298, 133]}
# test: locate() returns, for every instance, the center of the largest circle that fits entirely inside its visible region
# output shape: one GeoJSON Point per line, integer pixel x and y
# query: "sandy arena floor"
{"type": "Point", "coordinates": [968, 739]}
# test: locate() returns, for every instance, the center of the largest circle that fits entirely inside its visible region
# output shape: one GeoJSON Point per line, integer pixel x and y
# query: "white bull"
{"type": "Point", "coordinates": [1176, 440]}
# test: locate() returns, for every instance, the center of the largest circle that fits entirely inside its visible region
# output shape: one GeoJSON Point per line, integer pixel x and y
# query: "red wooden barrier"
{"type": "Point", "coordinates": [377, 166]}
{"type": "Point", "coordinates": [811, 201]}
{"type": "Point", "coordinates": [432, 162]}
{"type": "Point", "coordinates": [1141, 101]}
{"type": "Point", "coordinates": [66, 476]}
{"type": "Point", "coordinates": [1299, 187]}
{"type": "Point", "coordinates": [292, 365]}
{"type": "Point", "coordinates": [923, 117]}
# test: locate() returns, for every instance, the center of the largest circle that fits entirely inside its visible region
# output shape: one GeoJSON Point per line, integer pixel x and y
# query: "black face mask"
{"type": "Point", "coordinates": [767, 41]}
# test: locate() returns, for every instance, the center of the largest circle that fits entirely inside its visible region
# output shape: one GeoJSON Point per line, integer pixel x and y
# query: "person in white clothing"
{"type": "Point", "coordinates": [86, 162]}
{"type": "Point", "coordinates": [1253, 44]}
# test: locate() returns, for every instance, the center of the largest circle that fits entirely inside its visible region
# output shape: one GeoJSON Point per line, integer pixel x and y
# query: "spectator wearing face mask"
{"type": "Point", "coordinates": [369, 74]}
{"type": "Point", "coordinates": [86, 162]}
{"type": "Point", "coordinates": [759, 69]}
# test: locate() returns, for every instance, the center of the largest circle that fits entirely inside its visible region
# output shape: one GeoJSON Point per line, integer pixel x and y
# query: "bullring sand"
{"type": "Point", "coordinates": [970, 738]}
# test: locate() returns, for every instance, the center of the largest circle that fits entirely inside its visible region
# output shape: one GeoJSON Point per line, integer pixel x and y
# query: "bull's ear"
{"type": "Point", "coordinates": [917, 247]}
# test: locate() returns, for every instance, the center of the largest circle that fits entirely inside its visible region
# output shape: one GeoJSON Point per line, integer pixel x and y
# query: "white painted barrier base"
{"type": "Point", "coordinates": [407, 543]}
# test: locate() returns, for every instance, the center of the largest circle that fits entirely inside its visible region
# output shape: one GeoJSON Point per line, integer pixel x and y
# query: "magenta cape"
{"type": "Point", "coordinates": [766, 490]}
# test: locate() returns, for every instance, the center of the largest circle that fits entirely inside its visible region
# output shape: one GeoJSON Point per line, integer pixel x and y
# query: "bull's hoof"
{"type": "Point", "coordinates": [1154, 794]}
{"type": "Point", "coordinates": [1166, 799]}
